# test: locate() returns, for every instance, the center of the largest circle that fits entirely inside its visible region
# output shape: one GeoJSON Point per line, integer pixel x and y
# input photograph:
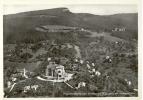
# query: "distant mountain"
{"type": "Point", "coordinates": [20, 26]}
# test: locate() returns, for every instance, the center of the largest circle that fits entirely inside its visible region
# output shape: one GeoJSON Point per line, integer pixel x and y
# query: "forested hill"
{"type": "Point", "coordinates": [17, 26]}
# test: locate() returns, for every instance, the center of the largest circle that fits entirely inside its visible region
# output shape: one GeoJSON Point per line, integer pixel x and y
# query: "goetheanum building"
{"type": "Point", "coordinates": [55, 71]}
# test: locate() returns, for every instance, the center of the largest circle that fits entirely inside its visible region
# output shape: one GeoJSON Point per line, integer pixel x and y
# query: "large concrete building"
{"type": "Point", "coordinates": [55, 71]}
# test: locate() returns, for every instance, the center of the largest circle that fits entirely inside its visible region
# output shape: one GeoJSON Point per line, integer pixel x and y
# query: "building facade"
{"type": "Point", "coordinates": [55, 71]}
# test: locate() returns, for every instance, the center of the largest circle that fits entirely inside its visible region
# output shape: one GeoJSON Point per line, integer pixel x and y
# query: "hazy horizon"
{"type": "Point", "coordinates": [93, 9]}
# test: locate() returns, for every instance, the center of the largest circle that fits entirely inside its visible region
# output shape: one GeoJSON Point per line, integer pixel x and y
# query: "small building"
{"type": "Point", "coordinates": [80, 84]}
{"type": "Point", "coordinates": [22, 72]}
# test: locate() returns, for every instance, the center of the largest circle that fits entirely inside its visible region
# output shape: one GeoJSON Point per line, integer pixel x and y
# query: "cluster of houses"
{"type": "Point", "coordinates": [119, 29]}
{"type": "Point", "coordinates": [56, 72]}
{"type": "Point", "coordinates": [19, 76]}
{"type": "Point", "coordinates": [30, 87]}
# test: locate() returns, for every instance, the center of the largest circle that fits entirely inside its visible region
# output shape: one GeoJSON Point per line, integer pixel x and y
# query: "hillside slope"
{"type": "Point", "coordinates": [19, 26]}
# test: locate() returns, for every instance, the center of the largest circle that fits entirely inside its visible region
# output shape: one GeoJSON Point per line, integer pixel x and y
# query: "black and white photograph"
{"type": "Point", "coordinates": [67, 50]}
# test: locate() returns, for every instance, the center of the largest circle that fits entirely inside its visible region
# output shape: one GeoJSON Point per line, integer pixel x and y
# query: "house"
{"type": "Point", "coordinates": [128, 82]}
{"type": "Point", "coordinates": [81, 61]}
{"type": "Point", "coordinates": [97, 73]}
{"type": "Point", "coordinates": [88, 66]}
{"type": "Point", "coordinates": [80, 84]}
{"type": "Point", "coordinates": [22, 72]}
{"type": "Point", "coordinates": [108, 59]}
{"type": "Point", "coordinates": [93, 64]}
{"type": "Point", "coordinates": [9, 84]}
{"type": "Point", "coordinates": [48, 58]}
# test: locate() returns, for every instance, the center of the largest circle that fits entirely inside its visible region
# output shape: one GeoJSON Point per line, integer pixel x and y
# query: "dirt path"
{"type": "Point", "coordinates": [78, 52]}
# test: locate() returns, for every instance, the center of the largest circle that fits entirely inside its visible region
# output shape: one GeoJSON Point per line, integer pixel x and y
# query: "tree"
{"type": "Point", "coordinates": [26, 56]}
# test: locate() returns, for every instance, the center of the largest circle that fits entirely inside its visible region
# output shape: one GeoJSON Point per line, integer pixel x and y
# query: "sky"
{"type": "Point", "coordinates": [80, 8]}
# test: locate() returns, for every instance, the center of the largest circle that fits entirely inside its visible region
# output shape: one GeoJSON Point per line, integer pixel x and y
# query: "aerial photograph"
{"type": "Point", "coordinates": [83, 50]}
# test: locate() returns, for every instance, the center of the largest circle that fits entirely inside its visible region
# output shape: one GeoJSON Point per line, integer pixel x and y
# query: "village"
{"type": "Point", "coordinates": [74, 74]}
